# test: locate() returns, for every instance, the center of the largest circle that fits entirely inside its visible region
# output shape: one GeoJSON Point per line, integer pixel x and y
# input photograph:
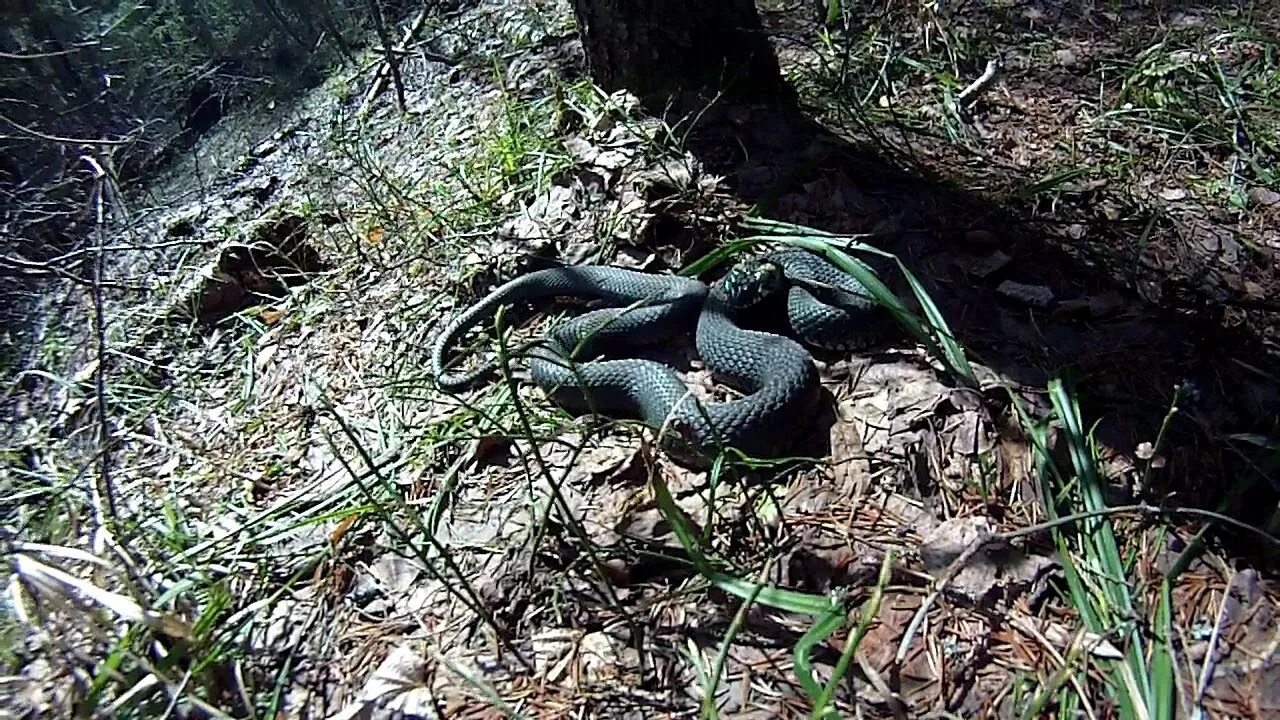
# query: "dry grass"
{"type": "Point", "coordinates": [305, 525]}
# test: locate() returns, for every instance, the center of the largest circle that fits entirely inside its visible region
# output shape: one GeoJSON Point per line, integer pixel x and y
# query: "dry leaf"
{"type": "Point", "coordinates": [399, 684]}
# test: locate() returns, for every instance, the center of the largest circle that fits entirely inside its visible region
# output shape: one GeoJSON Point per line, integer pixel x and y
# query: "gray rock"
{"type": "Point", "coordinates": [1264, 196]}
{"type": "Point", "coordinates": [985, 238]}
{"type": "Point", "coordinates": [1034, 295]}
{"type": "Point", "coordinates": [984, 267]}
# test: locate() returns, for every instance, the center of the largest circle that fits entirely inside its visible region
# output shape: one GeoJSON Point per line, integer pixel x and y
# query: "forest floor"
{"type": "Point", "coordinates": [294, 522]}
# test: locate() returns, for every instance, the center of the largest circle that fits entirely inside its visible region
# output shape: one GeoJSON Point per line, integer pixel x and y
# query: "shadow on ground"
{"type": "Point", "coordinates": [1019, 303]}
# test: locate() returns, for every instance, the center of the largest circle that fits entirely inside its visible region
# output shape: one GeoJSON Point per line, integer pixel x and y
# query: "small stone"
{"type": "Point", "coordinates": [1172, 194]}
{"type": "Point", "coordinates": [618, 571]}
{"type": "Point", "coordinates": [1221, 215]}
{"type": "Point", "coordinates": [264, 149]}
{"type": "Point", "coordinates": [1264, 196]}
{"type": "Point", "coordinates": [983, 268]}
{"type": "Point", "coordinates": [1106, 304]}
{"type": "Point", "coordinates": [1110, 210]}
{"type": "Point", "coordinates": [1033, 295]}
{"type": "Point", "coordinates": [1073, 307]}
{"type": "Point", "coordinates": [1066, 57]}
{"type": "Point", "coordinates": [985, 238]}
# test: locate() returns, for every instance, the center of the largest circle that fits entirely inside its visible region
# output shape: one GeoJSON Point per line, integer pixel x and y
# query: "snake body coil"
{"type": "Point", "coordinates": [776, 373]}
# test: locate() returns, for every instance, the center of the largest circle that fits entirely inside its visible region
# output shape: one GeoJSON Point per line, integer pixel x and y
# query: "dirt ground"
{"type": "Point", "coordinates": [319, 532]}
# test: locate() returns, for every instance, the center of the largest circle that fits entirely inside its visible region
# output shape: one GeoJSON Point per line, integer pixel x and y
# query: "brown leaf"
{"type": "Point", "coordinates": [338, 532]}
{"type": "Point", "coordinates": [849, 459]}
{"type": "Point", "coordinates": [994, 572]}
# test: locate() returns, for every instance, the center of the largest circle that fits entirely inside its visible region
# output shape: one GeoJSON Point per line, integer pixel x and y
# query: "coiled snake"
{"type": "Point", "coordinates": [776, 372]}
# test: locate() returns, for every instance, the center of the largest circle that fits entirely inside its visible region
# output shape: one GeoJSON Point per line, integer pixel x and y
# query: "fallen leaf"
{"type": "Point", "coordinates": [849, 461]}
{"type": "Point", "coordinates": [341, 530]}
{"type": "Point", "coordinates": [1060, 638]}
{"type": "Point", "coordinates": [994, 572]}
{"type": "Point", "coordinates": [399, 684]}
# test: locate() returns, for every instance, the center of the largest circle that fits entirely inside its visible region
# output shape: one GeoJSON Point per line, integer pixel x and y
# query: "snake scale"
{"type": "Point", "coordinates": [825, 307]}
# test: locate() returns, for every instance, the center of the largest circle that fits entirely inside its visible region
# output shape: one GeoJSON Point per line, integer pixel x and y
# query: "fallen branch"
{"type": "Point", "coordinates": [385, 70]}
{"type": "Point", "coordinates": [970, 95]}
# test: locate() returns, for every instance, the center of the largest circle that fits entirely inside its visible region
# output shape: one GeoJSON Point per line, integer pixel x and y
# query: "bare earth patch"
{"type": "Point", "coordinates": [308, 527]}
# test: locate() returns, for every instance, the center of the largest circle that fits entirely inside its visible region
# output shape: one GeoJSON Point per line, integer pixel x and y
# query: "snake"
{"type": "Point", "coordinates": [826, 308]}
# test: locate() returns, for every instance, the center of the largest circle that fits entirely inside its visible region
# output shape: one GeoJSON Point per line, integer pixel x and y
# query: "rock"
{"type": "Point", "coordinates": [1066, 57]}
{"type": "Point", "coordinates": [265, 148]}
{"type": "Point", "coordinates": [1034, 295]}
{"type": "Point", "coordinates": [985, 238]}
{"type": "Point", "coordinates": [985, 267]}
{"type": "Point", "coordinates": [1264, 196]}
{"type": "Point", "coordinates": [1074, 307]}
{"type": "Point", "coordinates": [260, 187]}
{"type": "Point", "coordinates": [1106, 304]}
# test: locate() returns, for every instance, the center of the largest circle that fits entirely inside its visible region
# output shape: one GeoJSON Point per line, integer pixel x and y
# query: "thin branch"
{"type": "Point", "coordinates": [42, 55]}
{"type": "Point", "coordinates": [995, 538]}
{"type": "Point", "coordinates": [31, 268]}
{"type": "Point", "coordinates": [970, 95]}
{"type": "Point", "coordinates": [56, 138]}
{"type": "Point", "coordinates": [103, 492]}
{"type": "Point", "coordinates": [389, 65]}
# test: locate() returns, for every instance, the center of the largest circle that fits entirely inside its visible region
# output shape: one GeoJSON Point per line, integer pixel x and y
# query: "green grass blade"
{"type": "Point", "coordinates": [803, 654]}
{"type": "Point", "coordinates": [935, 334]}
{"type": "Point", "coordinates": [1163, 680]}
{"type": "Point", "coordinates": [868, 612]}
{"type": "Point", "coordinates": [1103, 586]}
{"type": "Point", "coordinates": [829, 611]}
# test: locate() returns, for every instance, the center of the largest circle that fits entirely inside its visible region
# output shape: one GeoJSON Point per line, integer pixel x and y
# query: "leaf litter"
{"type": "Point", "coordinates": [325, 411]}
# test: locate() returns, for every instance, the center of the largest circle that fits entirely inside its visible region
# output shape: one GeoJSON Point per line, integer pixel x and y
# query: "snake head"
{"type": "Point", "coordinates": [751, 281]}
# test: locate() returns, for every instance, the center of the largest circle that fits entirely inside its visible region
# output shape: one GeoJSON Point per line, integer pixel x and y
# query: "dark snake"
{"type": "Point", "coordinates": [825, 307]}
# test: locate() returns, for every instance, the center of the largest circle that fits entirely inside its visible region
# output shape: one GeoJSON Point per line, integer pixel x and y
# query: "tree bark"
{"type": "Point", "coordinates": [664, 49]}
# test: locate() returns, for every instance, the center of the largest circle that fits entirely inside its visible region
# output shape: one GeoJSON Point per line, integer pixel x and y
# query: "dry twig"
{"type": "Point", "coordinates": [970, 94]}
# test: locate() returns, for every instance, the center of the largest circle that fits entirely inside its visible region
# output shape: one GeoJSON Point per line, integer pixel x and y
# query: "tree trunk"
{"type": "Point", "coordinates": [660, 49]}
